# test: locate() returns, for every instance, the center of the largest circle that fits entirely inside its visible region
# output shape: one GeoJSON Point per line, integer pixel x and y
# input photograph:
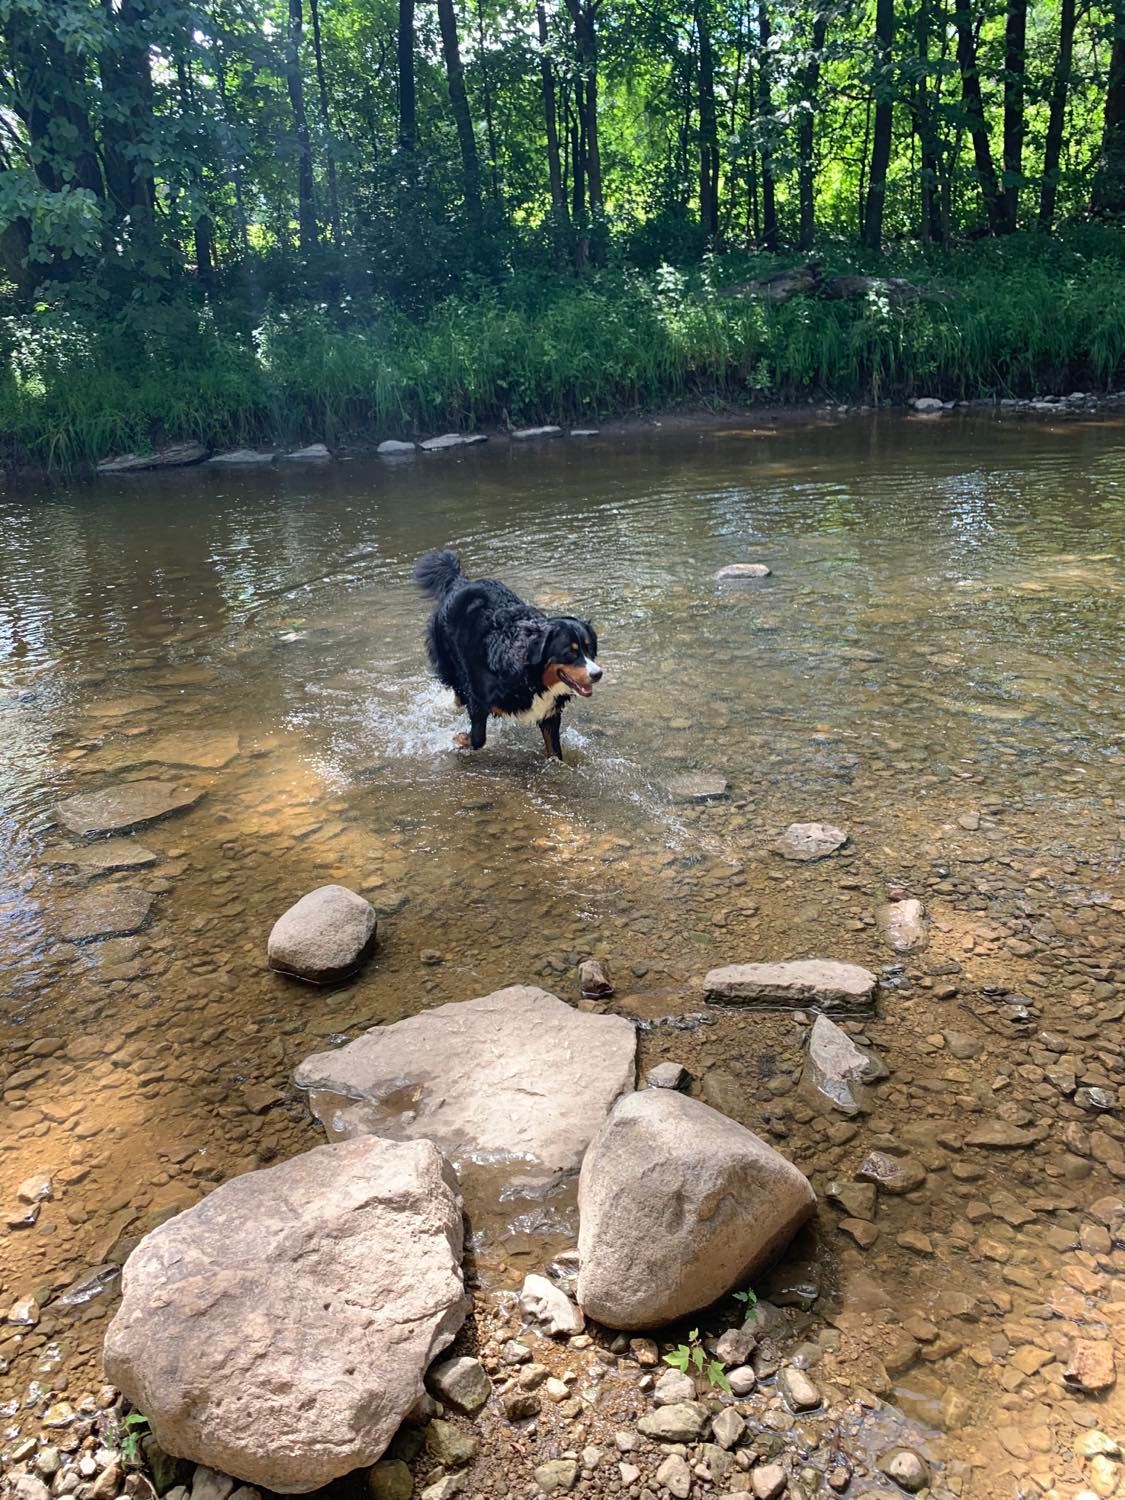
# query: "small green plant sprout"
{"type": "Point", "coordinates": [134, 1430]}
{"type": "Point", "coordinates": [692, 1356]}
{"type": "Point", "coordinates": [748, 1298]}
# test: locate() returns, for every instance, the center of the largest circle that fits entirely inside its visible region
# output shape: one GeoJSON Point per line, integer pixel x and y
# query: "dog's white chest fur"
{"type": "Point", "coordinates": [543, 705]}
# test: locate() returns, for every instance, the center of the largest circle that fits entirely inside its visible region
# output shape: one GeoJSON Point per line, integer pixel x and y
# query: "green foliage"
{"type": "Point", "coordinates": [1021, 316]}
{"type": "Point", "coordinates": [748, 1298]}
{"type": "Point", "coordinates": [134, 1430]}
{"type": "Point", "coordinates": [693, 1356]}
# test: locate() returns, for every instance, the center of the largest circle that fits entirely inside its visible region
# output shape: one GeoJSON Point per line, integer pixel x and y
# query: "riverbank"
{"type": "Point", "coordinates": [1026, 318]}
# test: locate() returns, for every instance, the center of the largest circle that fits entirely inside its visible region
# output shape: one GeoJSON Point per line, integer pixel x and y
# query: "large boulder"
{"type": "Point", "coordinates": [325, 936]}
{"type": "Point", "coordinates": [678, 1204]}
{"type": "Point", "coordinates": [515, 1081]}
{"type": "Point", "coordinates": [280, 1330]}
{"type": "Point", "coordinates": [819, 982]}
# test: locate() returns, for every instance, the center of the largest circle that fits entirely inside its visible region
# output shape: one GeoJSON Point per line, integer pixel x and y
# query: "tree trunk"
{"type": "Point", "coordinates": [127, 81]}
{"type": "Point", "coordinates": [48, 86]}
{"type": "Point", "coordinates": [407, 103]}
{"type": "Point", "coordinates": [766, 118]}
{"type": "Point", "coordinates": [883, 82]}
{"type": "Point", "coordinates": [306, 198]}
{"type": "Point", "coordinates": [584, 16]}
{"type": "Point", "coordinates": [1108, 200]}
{"type": "Point", "coordinates": [326, 127]}
{"type": "Point", "coordinates": [229, 154]}
{"type": "Point", "coordinates": [550, 117]}
{"type": "Point", "coordinates": [1056, 119]}
{"type": "Point", "coordinates": [201, 226]}
{"type": "Point", "coordinates": [974, 109]}
{"type": "Point", "coordinates": [708, 129]}
{"type": "Point", "coordinates": [810, 85]}
{"type": "Point", "coordinates": [1015, 56]}
{"type": "Point", "coordinates": [486, 90]}
{"type": "Point", "coordinates": [459, 102]}
{"type": "Point", "coordinates": [922, 105]}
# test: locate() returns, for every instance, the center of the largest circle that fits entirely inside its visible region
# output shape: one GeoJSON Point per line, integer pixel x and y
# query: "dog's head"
{"type": "Point", "coordinates": [566, 651]}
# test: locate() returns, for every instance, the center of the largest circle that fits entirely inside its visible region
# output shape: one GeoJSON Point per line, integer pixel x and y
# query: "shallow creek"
{"type": "Point", "coordinates": [935, 665]}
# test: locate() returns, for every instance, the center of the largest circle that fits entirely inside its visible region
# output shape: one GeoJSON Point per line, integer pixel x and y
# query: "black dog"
{"type": "Point", "coordinates": [502, 656]}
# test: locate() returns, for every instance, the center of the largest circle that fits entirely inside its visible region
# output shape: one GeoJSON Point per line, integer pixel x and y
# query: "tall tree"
{"type": "Point", "coordinates": [708, 128]}
{"type": "Point", "coordinates": [933, 224]}
{"type": "Point", "coordinates": [326, 128]}
{"type": "Point", "coordinates": [1015, 62]}
{"type": "Point", "coordinates": [973, 101]}
{"type": "Point", "coordinates": [1108, 200]}
{"type": "Point", "coordinates": [883, 87]}
{"type": "Point", "coordinates": [1056, 120]}
{"type": "Point", "coordinates": [407, 93]}
{"type": "Point", "coordinates": [584, 16]}
{"type": "Point", "coordinates": [294, 78]}
{"type": "Point", "coordinates": [766, 126]}
{"type": "Point", "coordinates": [459, 102]}
{"type": "Point", "coordinates": [550, 118]}
{"type": "Point", "coordinates": [806, 123]}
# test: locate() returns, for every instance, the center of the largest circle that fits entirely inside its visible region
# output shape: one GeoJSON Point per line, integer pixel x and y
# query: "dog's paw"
{"type": "Point", "coordinates": [462, 741]}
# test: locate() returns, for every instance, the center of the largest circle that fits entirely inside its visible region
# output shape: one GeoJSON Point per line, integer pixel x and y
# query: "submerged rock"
{"type": "Point", "coordinates": [514, 1078]}
{"type": "Point", "coordinates": [174, 456]}
{"type": "Point", "coordinates": [594, 979]}
{"type": "Point", "coordinates": [325, 936]}
{"type": "Point", "coordinates": [208, 752]}
{"type": "Point", "coordinates": [678, 1204]}
{"type": "Point", "coordinates": [279, 1330]}
{"type": "Point", "coordinates": [837, 1070]}
{"type": "Point", "coordinates": [698, 786]}
{"type": "Point", "coordinates": [119, 808]}
{"type": "Point", "coordinates": [806, 842]}
{"type": "Point", "coordinates": [903, 925]}
{"type": "Point", "coordinates": [105, 855]}
{"type": "Point", "coordinates": [808, 981]}
{"type": "Point", "coordinates": [108, 911]}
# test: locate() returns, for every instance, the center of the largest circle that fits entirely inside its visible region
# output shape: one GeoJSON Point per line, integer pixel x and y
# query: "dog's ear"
{"type": "Point", "coordinates": [532, 643]}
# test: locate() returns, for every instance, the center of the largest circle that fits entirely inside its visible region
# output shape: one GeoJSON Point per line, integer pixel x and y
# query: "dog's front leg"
{"type": "Point", "coordinates": [549, 729]}
{"type": "Point", "coordinates": [478, 727]}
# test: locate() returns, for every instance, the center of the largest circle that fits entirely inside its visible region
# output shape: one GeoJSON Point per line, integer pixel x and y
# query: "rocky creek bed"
{"type": "Point", "coordinates": [956, 1295]}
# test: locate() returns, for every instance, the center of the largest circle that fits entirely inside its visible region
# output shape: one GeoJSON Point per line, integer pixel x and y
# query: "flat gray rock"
{"type": "Point", "coordinates": [324, 937]}
{"type": "Point", "coordinates": [313, 452]}
{"type": "Point", "coordinates": [805, 842]}
{"type": "Point", "coordinates": [109, 911]}
{"type": "Point", "coordinates": [818, 982]}
{"type": "Point", "coordinates": [902, 925]}
{"type": "Point", "coordinates": [742, 572]}
{"type": "Point", "coordinates": [105, 855]}
{"type": "Point", "coordinates": [515, 1082]}
{"type": "Point", "coordinates": [523, 434]}
{"type": "Point", "coordinates": [678, 1205]}
{"type": "Point", "coordinates": [392, 447]}
{"type": "Point", "coordinates": [174, 456]}
{"type": "Point", "coordinates": [698, 786]}
{"type": "Point", "coordinates": [119, 808]}
{"type": "Point", "coordinates": [453, 440]}
{"type": "Point", "coordinates": [836, 1071]}
{"type": "Point", "coordinates": [280, 1330]}
{"type": "Point", "coordinates": [119, 708]}
{"type": "Point", "coordinates": [244, 457]}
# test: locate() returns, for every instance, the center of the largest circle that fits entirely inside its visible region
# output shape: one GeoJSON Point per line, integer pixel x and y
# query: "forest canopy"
{"type": "Point", "coordinates": [402, 146]}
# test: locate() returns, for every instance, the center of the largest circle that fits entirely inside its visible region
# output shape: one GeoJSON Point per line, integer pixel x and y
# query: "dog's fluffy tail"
{"type": "Point", "coordinates": [436, 572]}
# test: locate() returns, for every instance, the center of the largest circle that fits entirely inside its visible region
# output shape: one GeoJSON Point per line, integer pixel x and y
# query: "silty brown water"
{"type": "Point", "coordinates": [934, 665]}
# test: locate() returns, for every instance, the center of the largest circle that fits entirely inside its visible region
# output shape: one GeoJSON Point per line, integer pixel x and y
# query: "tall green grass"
{"type": "Point", "coordinates": [1022, 316]}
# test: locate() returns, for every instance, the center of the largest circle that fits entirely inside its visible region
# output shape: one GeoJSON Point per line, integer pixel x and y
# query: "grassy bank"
{"type": "Point", "coordinates": [1021, 316]}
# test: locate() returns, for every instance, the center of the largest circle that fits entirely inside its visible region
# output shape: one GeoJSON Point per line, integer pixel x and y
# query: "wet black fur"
{"type": "Point", "coordinates": [491, 647]}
